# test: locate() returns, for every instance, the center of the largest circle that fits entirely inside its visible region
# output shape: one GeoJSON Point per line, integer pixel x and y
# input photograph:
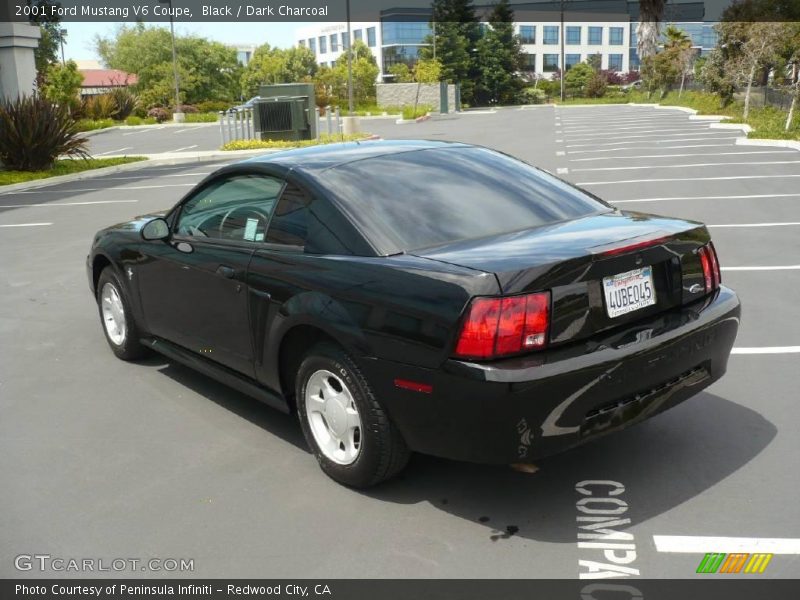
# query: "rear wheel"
{"type": "Point", "coordinates": [119, 326]}
{"type": "Point", "coordinates": [347, 429]}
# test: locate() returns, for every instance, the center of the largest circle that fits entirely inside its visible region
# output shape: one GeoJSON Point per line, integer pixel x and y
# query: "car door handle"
{"type": "Point", "coordinates": [226, 271]}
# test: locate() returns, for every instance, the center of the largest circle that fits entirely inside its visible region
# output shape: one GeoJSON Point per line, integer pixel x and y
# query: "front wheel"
{"type": "Point", "coordinates": [115, 315]}
{"type": "Point", "coordinates": [347, 429]}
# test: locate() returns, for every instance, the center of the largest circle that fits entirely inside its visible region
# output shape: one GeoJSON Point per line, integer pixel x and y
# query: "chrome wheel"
{"type": "Point", "coordinates": [333, 417]}
{"type": "Point", "coordinates": [113, 314]}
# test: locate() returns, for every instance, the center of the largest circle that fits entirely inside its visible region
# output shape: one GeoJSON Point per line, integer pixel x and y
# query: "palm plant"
{"type": "Point", "coordinates": [680, 44]}
{"type": "Point", "coordinates": [651, 12]}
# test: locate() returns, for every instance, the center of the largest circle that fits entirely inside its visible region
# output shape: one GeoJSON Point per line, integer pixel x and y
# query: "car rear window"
{"type": "Point", "coordinates": [412, 200]}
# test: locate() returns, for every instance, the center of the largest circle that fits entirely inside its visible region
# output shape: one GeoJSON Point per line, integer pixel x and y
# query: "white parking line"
{"type": "Point", "coordinates": [693, 139]}
{"type": "Point", "coordinates": [644, 134]}
{"type": "Point", "coordinates": [767, 350]}
{"type": "Point", "coordinates": [756, 224]}
{"type": "Point", "coordinates": [698, 544]}
{"type": "Point", "coordinates": [135, 177]}
{"type": "Point", "coordinates": [767, 268]}
{"type": "Point", "coordinates": [694, 198]}
{"type": "Point", "coordinates": [67, 203]}
{"type": "Point", "coordinates": [636, 128]}
{"type": "Point", "coordinates": [727, 178]}
{"type": "Point", "coordinates": [138, 187]}
{"type": "Point", "coordinates": [684, 166]}
{"type": "Point", "coordinates": [682, 155]}
{"type": "Point", "coordinates": [146, 130]}
{"type": "Point", "coordinates": [26, 225]}
{"type": "Point", "coordinates": [184, 148]}
{"type": "Point", "coordinates": [113, 151]}
{"type": "Point", "coordinates": [655, 148]}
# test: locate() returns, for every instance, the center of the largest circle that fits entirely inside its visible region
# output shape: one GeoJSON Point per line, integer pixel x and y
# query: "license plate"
{"type": "Point", "coordinates": [630, 291]}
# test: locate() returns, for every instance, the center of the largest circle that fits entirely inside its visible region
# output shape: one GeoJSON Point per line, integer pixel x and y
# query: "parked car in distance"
{"type": "Point", "coordinates": [245, 105]}
{"type": "Point", "coordinates": [634, 85]}
{"type": "Point", "coordinates": [420, 296]}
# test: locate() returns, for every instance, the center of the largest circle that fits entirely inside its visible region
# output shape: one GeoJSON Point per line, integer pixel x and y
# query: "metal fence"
{"type": "Point", "coordinates": [239, 124]}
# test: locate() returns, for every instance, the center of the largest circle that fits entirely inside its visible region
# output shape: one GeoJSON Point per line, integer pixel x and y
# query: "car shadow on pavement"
{"type": "Point", "coordinates": [269, 419]}
{"type": "Point", "coordinates": [662, 463]}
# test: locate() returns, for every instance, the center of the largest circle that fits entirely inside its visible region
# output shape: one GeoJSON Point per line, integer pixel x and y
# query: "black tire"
{"type": "Point", "coordinates": [383, 452]}
{"type": "Point", "coordinates": [130, 348]}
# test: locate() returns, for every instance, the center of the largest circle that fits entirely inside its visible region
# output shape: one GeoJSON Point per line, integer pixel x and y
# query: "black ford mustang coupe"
{"type": "Point", "coordinates": [426, 296]}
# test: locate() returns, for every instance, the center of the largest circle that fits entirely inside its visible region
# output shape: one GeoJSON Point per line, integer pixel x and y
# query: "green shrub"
{"type": "Point", "coordinates": [125, 103]}
{"type": "Point", "coordinates": [213, 106]}
{"type": "Point", "coordinates": [93, 124]}
{"type": "Point", "coordinates": [99, 107]}
{"type": "Point", "coordinates": [65, 166]}
{"type": "Point", "coordinates": [35, 131]}
{"type": "Point", "coordinates": [134, 120]}
{"type": "Point", "coordinates": [281, 144]}
{"type": "Point", "coordinates": [202, 118]}
{"type": "Point", "coordinates": [532, 95]}
{"type": "Point", "coordinates": [159, 113]}
{"type": "Point", "coordinates": [409, 113]}
{"type": "Point", "coordinates": [595, 86]}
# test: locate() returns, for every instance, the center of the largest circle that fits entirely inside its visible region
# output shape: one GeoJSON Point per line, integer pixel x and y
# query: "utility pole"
{"type": "Point", "coordinates": [61, 35]}
{"type": "Point", "coordinates": [563, 70]}
{"type": "Point", "coordinates": [349, 64]}
{"type": "Point", "coordinates": [177, 116]}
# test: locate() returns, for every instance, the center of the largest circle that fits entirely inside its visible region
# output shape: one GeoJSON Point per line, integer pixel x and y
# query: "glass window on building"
{"type": "Point", "coordinates": [334, 37]}
{"type": "Point", "coordinates": [550, 34]}
{"type": "Point", "coordinates": [312, 44]}
{"type": "Point", "coordinates": [302, 43]}
{"type": "Point", "coordinates": [615, 62]}
{"type": "Point", "coordinates": [357, 34]}
{"type": "Point", "coordinates": [323, 45]}
{"type": "Point", "coordinates": [633, 60]}
{"type": "Point", "coordinates": [616, 35]}
{"type": "Point", "coordinates": [371, 37]}
{"type": "Point", "coordinates": [573, 35]}
{"type": "Point", "coordinates": [408, 55]}
{"type": "Point", "coordinates": [570, 60]}
{"type": "Point", "coordinates": [404, 32]}
{"type": "Point", "coordinates": [595, 36]}
{"type": "Point", "coordinates": [530, 62]}
{"type": "Point", "coordinates": [345, 41]}
{"type": "Point", "coordinates": [527, 34]}
{"type": "Point", "coordinates": [550, 63]}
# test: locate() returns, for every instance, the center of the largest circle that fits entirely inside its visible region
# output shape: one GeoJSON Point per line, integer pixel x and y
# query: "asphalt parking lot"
{"type": "Point", "coordinates": [106, 459]}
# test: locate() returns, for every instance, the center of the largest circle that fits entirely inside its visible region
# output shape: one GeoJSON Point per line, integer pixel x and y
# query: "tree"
{"type": "Point", "coordinates": [793, 63]}
{"type": "Point", "coordinates": [454, 43]}
{"type": "Point", "coordinates": [499, 59]}
{"type": "Point", "coordinates": [274, 65]}
{"type": "Point", "coordinates": [46, 53]}
{"type": "Point", "coordinates": [661, 71]}
{"type": "Point", "coordinates": [207, 70]}
{"type": "Point", "coordinates": [577, 77]}
{"type": "Point", "coordinates": [331, 83]}
{"type": "Point", "coordinates": [716, 77]}
{"type": "Point", "coordinates": [62, 84]}
{"type": "Point", "coordinates": [680, 45]}
{"type": "Point", "coordinates": [754, 45]}
{"type": "Point", "coordinates": [426, 71]}
{"type": "Point", "coordinates": [651, 12]}
{"type": "Point", "coordinates": [401, 73]}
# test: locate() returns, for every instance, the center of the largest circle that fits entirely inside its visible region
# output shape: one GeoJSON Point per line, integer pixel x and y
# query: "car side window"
{"type": "Point", "coordinates": [235, 209]}
{"type": "Point", "coordinates": [289, 224]}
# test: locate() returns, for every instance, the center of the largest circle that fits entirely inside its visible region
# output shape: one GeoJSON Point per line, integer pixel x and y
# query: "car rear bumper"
{"type": "Point", "coordinates": [521, 409]}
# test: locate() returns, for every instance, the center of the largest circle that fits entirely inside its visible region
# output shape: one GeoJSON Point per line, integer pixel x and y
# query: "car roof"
{"type": "Point", "coordinates": [326, 156]}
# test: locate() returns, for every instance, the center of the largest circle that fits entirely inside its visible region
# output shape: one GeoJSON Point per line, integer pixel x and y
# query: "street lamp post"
{"type": "Point", "coordinates": [349, 64]}
{"type": "Point", "coordinates": [563, 69]}
{"type": "Point", "coordinates": [61, 34]}
{"type": "Point", "coordinates": [178, 115]}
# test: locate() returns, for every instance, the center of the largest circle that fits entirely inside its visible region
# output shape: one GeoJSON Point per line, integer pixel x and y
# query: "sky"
{"type": "Point", "coordinates": [80, 36]}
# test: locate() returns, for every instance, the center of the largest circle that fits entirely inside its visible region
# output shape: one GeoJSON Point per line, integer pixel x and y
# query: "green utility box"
{"type": "Point", "coordinates": [285, 111]}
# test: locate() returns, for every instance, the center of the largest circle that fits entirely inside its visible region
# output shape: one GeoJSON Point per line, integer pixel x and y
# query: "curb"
{"type": "Point", "coordinates": [94, 132]}
{"type": "Point", "coordinates": [409, 121]}
{"type": "Point", "coordinates": [741, 126]}
{"type": "Point", "coordinates": [764, 142]}
{"type": "Point", "coordinates": [153, 160]}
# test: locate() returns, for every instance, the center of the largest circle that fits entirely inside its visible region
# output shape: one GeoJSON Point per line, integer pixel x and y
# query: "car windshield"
{"type": "Point", "coordinates": [411, 200]}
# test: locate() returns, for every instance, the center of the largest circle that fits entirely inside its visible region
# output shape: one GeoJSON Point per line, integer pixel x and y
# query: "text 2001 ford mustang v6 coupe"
{"type": "Point", "coordinates": [426, 296]}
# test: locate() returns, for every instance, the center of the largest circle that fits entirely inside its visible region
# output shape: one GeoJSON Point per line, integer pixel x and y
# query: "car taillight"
{"type": "Point", "coordinates": [710, 265]}
{"type": "Point", "coordinates": [497, 327]}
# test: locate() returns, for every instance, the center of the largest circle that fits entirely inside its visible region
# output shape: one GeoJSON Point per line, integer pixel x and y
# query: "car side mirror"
{"type": "Point", "coordinates": [157, 229]}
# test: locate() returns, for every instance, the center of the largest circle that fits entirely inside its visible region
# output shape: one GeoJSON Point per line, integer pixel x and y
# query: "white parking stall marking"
{"type": "Point", "coordinates": [681, 155]}
{"type": "Point", "coordinates": [654, 148]}
{"type": "Point", "coordinates": [732, 225]}
{"type": "Point", "coordinates": [144, 130]}
{"type": "Point", "coordinates": [88, 202]}
{"type": "Point", "coordinates": [137, 187]}
{"type": "Point", "coordinates": [184, 148]}
{"type": "Point", "coordinates": [768, 350]}
{"type": "Point", "coordinates": [576, 137]}
{"type": "Point", "coordinates": [764, 268]}
{"type": "Point", "coordinates": [136, 177]}
{"type": "Point", "coordinates": [26, 225]}
{"type": "Point", "coordinates": [662, 179]}
{"type": "Point", "coordinates": [689, 125]}
{"type": "Point", "coordinates": [698, 544]}
{"type": "Point", "coordinates": [689, 165]}
{"type": "Point", "coordinates": [113, 151]}
{"type": "Point", "coordinates": [678, 198]}
{"type": "Point", "coordinates": [648, 141]}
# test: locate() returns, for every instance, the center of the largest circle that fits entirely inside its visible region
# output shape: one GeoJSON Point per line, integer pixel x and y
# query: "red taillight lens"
{"type": "Point", "coordinates": [502, 326]}
{"type": "Point", "coordinates": [710, 265]}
